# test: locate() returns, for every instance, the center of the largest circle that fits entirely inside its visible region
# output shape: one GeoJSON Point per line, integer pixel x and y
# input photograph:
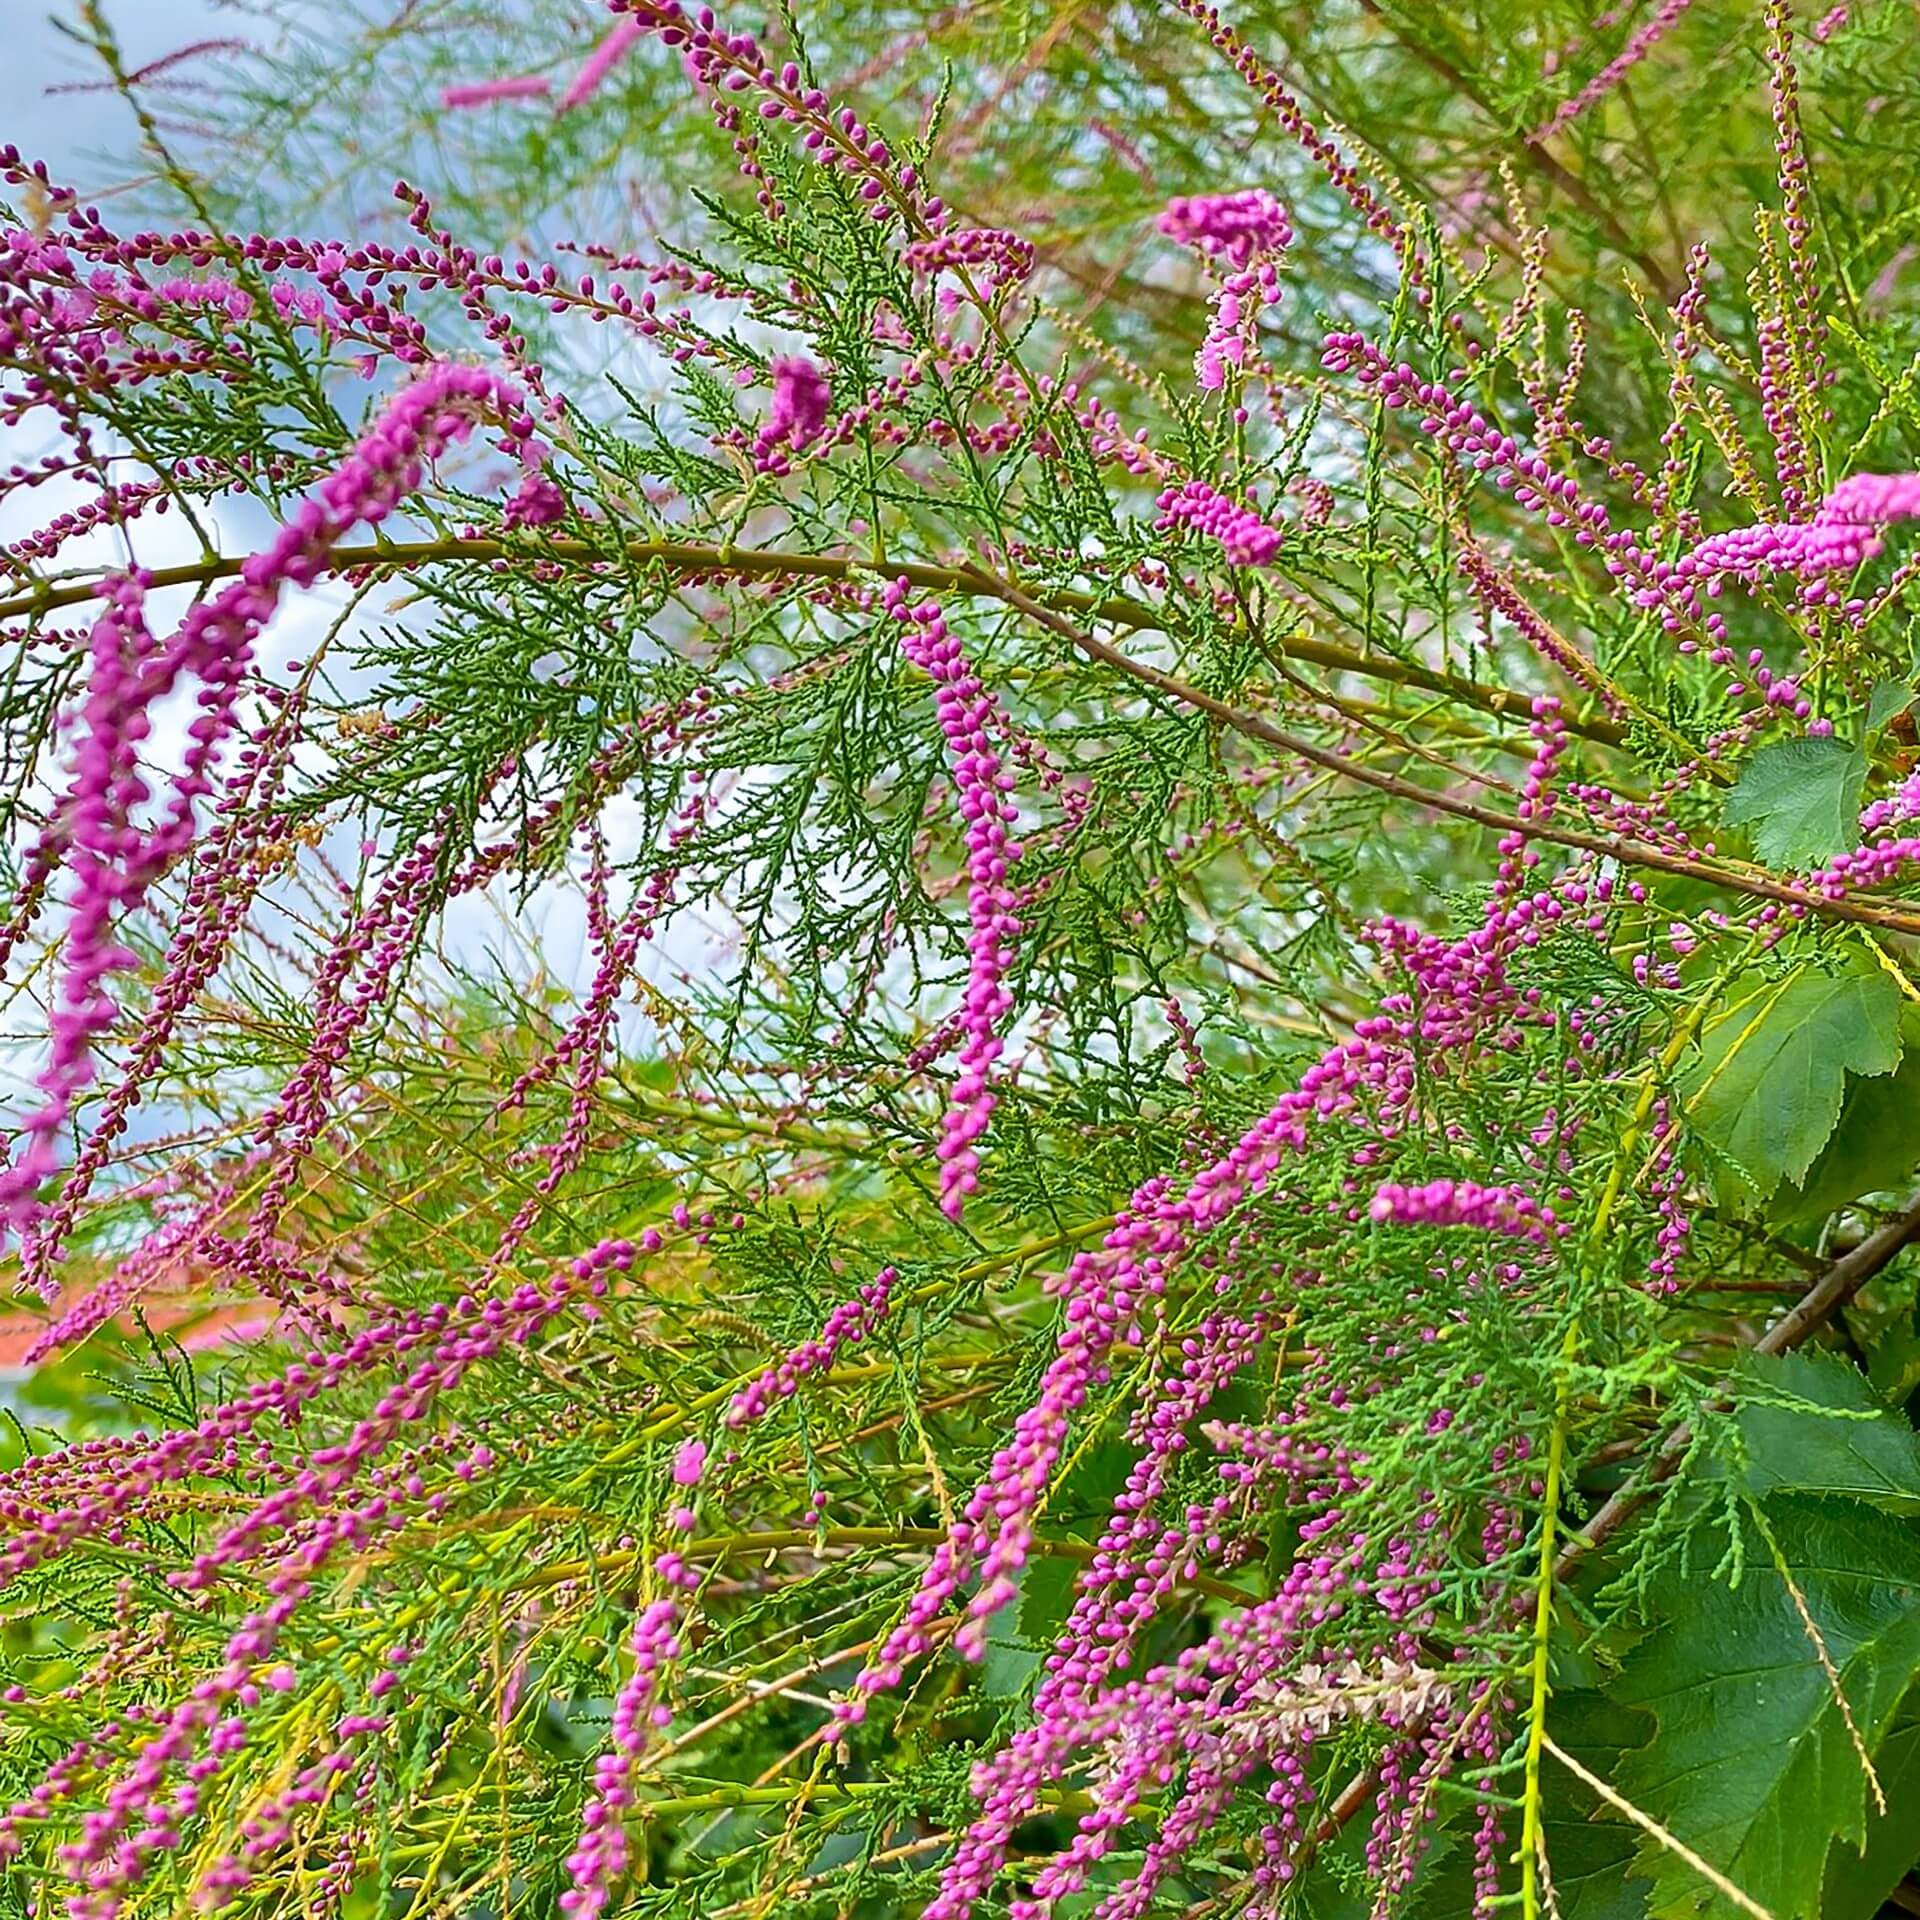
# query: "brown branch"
{"type": "Point", "coordinates": [1634, 853]}
{"type": "Point", "coordinates": [693, 559]}
{"type": "Point", "coordinates": [1835, 1287]}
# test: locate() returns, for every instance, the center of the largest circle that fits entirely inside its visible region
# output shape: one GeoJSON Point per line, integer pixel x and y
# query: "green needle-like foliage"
{"type": "Point", "coordinates": [963, 959]}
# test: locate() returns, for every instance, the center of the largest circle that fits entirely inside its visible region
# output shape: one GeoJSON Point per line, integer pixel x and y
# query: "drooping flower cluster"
{"type": "Point", "coordinates": [1847, 529]}
{"type": "Point", "coordinates": [730, 63]}
{"type": "Point", "coordinates": [1464, 994]}
{"type": "Point", "coordinates": [1235, 227]}
{"type": "Point", "coordinates": [613, 48]}
{"type": "Point", "coordinates": [114, 858]}
{"type": "Point", "coordinates": [1244, 537]}
{"type": "Point", "coordinates": [1464, 1203]}
{"type": "Point", "coordinates": [596, 1864]}
{"type": "Point", "coordinates": [142, 1816]}
{"type": "Point", "coordinates": [1248, 230]}
{"type": "Point", "coordinates": [484, 93]}
{"type": "Point", "coordinates": [1640, 43]}
{"type": "Point", "coordinates": [1000, 258]}
{"type": "Point", "coordinates": [847, 1325]}
{"type": "Point", "coordinates": [801, 401]}
{"type": "Point", "coordinates": [982, 785]}
{"type": "Point", "coordinates": [1372, 954]}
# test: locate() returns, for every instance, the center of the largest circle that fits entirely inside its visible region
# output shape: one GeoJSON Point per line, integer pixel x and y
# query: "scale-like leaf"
{"type": "Point", "coordinates": [1753, 1765]}
{"type": "Point", "coordinates": [1773, 1062]}
{"type": "Point", "coordinates": [1802, 800]}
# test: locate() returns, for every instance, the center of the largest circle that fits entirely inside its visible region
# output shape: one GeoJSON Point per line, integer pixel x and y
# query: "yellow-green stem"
{"type": "Point", "coordinates": [1543, 1638]}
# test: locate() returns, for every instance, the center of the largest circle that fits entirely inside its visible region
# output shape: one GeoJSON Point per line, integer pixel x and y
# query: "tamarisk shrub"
{"type": "Point", "coordinates": [964, 965]}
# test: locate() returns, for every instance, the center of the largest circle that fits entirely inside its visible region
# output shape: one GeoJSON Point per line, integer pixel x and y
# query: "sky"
{"type": "Point", "coordinates": [84, 136]}
{"type": "Point", "coordinates": [76, 133]}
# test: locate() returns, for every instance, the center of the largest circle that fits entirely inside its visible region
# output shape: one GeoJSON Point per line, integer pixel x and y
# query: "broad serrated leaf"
{"type": "Point", "coordinates": [1859, 1880]}
{"type": "Point", "coordinates": [1753, 1764]}
{"type": "Point", "coordinates": [1774, 1056]}
{"type": "Point", "coordinates": [1802, 800]}
{"type": "Point", "coordinates": [1824, 1430]}
{"type": "Point", "coordinates": [1590, 1850]}
{"type": "Point", "coordinates": [1012, 1658]}
{"type": "Point", "coordinates": [1888, 700]}
{"type": "Point", "coordinates": [1046, 1598]}
{"type": "Point", "coordinates": [1883, 1320]}
{"type": "Point", "coordinates": [1089, 1483]}
{"type": "Point", "coordinates": [1875, 1144]}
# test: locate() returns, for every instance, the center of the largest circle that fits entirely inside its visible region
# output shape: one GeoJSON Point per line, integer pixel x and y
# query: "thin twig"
{"type": "Point", "coordinates": [692, 559]}
{"type": "Point", "coordinates": [1679, 1848]}
{"type": "Point", "coordinates": [1806, 1316]}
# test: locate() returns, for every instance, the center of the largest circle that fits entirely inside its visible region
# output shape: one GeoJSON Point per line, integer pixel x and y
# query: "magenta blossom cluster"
{"type": "Point", "coordinates": [1477, 443]}
{"type": "Point", "coordinates": [732, 64]}
{"type": "Point", "coordinates": [1645, 38]}
{"type": "Point", "coordinates": [847, 1325]}
{"type": "Point", "coordinates": [1901, 804]}
{"type": "Point", "coordinates": [607, 54]}
{"type": "Point", "coordinates": [1145, 1699]}
{"type": "Point", "coordinates": [612, 49]}
{"type": "Point", "coordinates": [114, 858]}
{"type": "Point", "coordinates": [801, 401]}
{"type": "Point", "coordinates": [1845, 530]}
{"type": "Point", "coordinates": [1461, 994]}
{"type": "Point", "coordinates": [1247, 230]}
{"type": "Point", "coordinates": [968, 719]}
{"type": "Point", "coordinates": [583, 1046]}
{"type": "Point", "coordinates": [227, 872]}
{"type": "Point", "coordinates": [1246, 539]}
{"type": "Point", "coordinates": [1230, 326]}
{"type": "Point", "coordinates": [484, 93]}
{"type": "Point", "coordinates": [299, 1528]}
{"type": "Point", "coordinates": [1464, 1203]}
{"type": "Point", "coordinates": [1236, 227]}
{"type": "Point", "coordinates": [998, 257]}
{"type": "Point", "coordinates": [1139, 1559]}
{"type": "Point", "coordinates": [600, 1857]}
{"type": "Point", "coordinates": [1476, 446]}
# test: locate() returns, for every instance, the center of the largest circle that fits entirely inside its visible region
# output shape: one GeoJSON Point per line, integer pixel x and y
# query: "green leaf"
{"type": "Point", "coordinates": [1802, 800]}
{"type": "Point", "coordinates": [1858, 1880]}
{"type": "Point", "coordinates": [1088, 1484]}
{"type": "Point", "coordinates": [1753, 1764]}
{"type": "Point", "coordinates": [1875, 1144]}
{"type": "Point", "coordinates": [1046, 1598]}
{"type": "Point", "coordinates": [1767, 1086]}
{"type": "Point", "coordinates": [1888, 700]}
{"type": "Point", "coordinates": [1883, 1320]}
{"type": "Point", "coordinates": [1590, 1850]}
{"type": "Point", "coordinates": [1825, 1431]}
{"type": "Point", "coordinates": [1012, 1659]}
